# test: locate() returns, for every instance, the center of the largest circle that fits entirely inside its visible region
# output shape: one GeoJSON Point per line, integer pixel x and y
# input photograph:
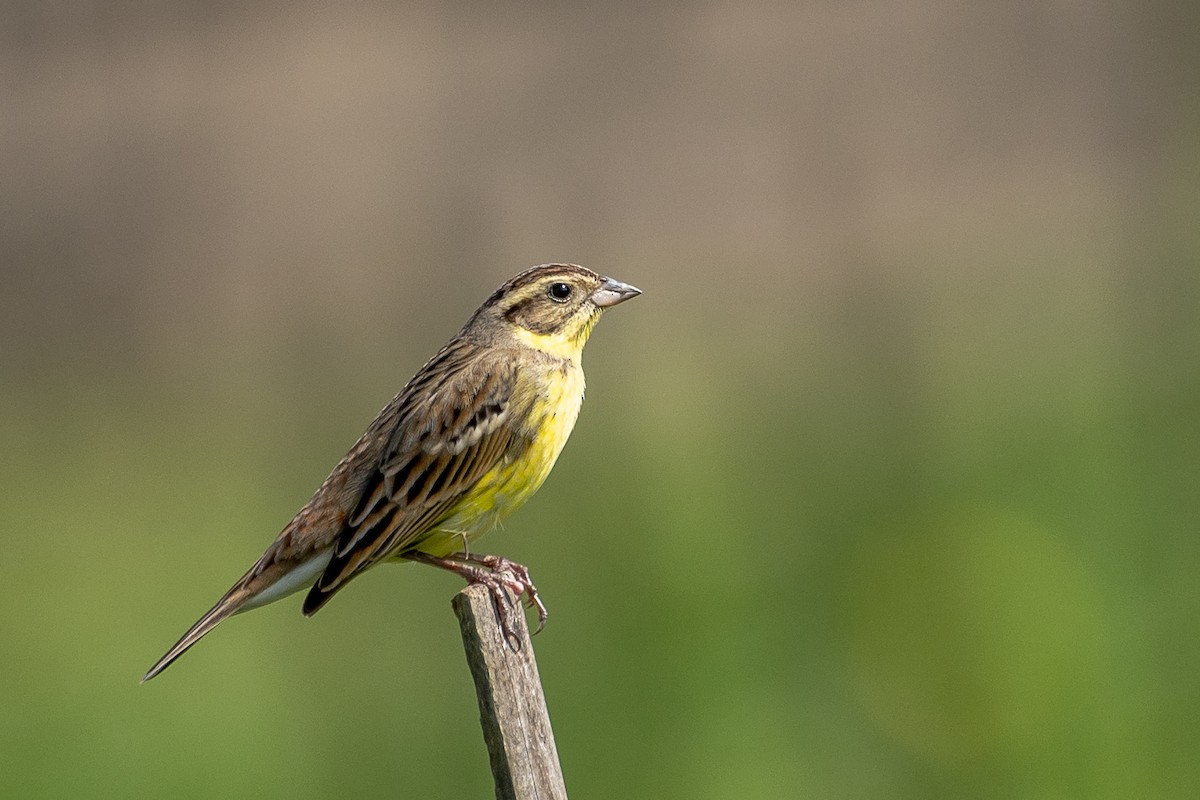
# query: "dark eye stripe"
{"type": "Point", "coordinates": [537, 310]}
{"type": "Point", "coordinates": [517, 309]}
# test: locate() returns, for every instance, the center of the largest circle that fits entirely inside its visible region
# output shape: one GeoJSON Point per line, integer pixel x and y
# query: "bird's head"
{"type": "Point", "coordinates": [551, 308]}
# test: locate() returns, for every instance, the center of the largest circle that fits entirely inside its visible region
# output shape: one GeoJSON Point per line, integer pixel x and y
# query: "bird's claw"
{"type": "Point", "coordinates": [500, 574]}
{"type": "Point", "coordinates": [516, 577]}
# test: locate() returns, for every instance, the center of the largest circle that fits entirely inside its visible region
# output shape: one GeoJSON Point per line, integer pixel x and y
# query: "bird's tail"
{"type": "Point", "coordinates": [228, 605]}
{"type": "Point", "coordinates": [270, 579]}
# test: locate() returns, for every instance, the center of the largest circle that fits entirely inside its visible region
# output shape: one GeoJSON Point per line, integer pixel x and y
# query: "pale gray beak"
{"type": "Point", "coordinates": [612, 292]}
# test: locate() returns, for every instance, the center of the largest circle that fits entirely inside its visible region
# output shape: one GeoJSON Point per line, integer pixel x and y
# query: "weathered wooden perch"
{"type": "Point", "coordinates": [512, 707]}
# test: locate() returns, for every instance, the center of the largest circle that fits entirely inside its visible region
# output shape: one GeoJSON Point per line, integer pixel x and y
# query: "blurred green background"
{"type": "Point", "coordinates": [886, 487]}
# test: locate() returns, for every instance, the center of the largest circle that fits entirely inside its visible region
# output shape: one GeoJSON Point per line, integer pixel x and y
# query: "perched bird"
{"type": "Point", "coordinates": [467, 441]}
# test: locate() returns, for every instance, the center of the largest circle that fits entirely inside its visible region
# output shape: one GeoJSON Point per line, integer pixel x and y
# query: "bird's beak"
{"type": "Point", "coordinates": [612, 292]}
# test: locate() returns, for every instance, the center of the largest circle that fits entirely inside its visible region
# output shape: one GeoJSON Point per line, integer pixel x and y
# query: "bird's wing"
{"type": "Point", "coordinates": [453, 426]}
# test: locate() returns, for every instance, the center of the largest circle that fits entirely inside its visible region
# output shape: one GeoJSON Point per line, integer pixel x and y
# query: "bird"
{"type": "Point", "coordinates": [466, 441]}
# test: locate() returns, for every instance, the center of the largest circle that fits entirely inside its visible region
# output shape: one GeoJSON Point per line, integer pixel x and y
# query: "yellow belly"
{"type": "Point", "coordinates": [505, 488]}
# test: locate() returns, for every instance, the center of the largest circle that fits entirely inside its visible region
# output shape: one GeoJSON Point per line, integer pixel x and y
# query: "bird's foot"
{"type": "Point", "coordinates": [516, 577]}
{"type": "Point", "coordinates": [498, 574]}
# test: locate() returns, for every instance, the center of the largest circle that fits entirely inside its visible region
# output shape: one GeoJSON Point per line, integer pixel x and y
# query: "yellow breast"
{"type": "Point", "coordinates": [558, 407]}
{"type": "Point", "coordinates": [553, 397]}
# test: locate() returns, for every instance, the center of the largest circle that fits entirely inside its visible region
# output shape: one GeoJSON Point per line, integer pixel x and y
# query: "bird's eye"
{"type": "Point", "coordinates": [559, 291]}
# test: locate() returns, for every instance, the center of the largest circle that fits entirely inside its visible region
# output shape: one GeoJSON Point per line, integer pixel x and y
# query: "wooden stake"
{"type": "Point", "coordinates": [512, 707]}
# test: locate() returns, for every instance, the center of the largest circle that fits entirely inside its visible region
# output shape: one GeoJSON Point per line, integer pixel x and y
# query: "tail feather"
{"type": "Point", "coordinates": [267, 581]}
{"type": "Point", "coordinates": [225, 607]}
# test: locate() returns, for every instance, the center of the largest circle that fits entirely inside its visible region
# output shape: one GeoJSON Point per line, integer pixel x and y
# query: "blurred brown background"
{"type": "Point", "coordinates": [885, 488]}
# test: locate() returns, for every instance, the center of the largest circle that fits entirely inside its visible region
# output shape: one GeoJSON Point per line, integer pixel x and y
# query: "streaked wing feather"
{"type": "Point", "coordinates": [435, 455]}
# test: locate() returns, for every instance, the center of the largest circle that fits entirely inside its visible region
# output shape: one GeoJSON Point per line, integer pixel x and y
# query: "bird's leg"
{"type": "Point", "coordinates": [497, 574]}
